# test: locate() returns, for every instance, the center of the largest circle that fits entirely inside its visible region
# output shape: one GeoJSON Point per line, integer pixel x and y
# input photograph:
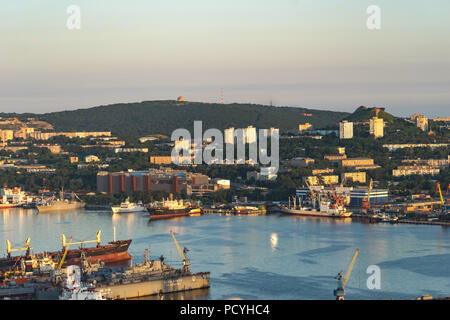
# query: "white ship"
{"type": "Point", "coordinates": [11, 198]}
{"type": "Point", "coordinates": [74, 290]}
{"type": "Point", "coordinates": [318, 207]}
{"type": "Point", "coordinates": [127, 207]}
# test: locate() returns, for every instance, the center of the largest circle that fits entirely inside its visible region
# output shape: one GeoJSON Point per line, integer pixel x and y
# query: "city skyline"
{"type": "Point", "coordinates": [287, 53]}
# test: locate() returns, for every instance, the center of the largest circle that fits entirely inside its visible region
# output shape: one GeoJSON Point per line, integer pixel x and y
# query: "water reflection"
{"type": "Point", "coordinates": [273, 241]}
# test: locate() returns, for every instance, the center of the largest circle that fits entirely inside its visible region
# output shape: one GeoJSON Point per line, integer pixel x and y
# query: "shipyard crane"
{"type": "Point", "coordinates": [365, 204]}
{"type": "Point", "coordinates": [340, 291]}
{"type": "Point", "coordinates": [9, 250]}
{"type": "Point", "coordinates": [185, 262]}
{"type": "Point", "coordinates": [336, 198]}
{"type": "Point", "coordinates": [65, 253]}
{"type": "Point", "coordinates": [99, 232]}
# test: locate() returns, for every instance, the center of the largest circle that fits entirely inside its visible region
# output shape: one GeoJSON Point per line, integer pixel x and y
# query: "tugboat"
{"type": "Point", "coordinates": [128, 207]}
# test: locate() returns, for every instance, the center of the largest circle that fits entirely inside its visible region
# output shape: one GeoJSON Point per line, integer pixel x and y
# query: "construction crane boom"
{"type": "Point", "coordinates": [185, 261]}
{"type": "Point", "coordinates": [65, 253]}
{"type": "Point", "coordinates": [340, 291]}
{"type": "Point", "coordinates": [438, 187]}
{"type": "Point", "coordinates": [350, 267]}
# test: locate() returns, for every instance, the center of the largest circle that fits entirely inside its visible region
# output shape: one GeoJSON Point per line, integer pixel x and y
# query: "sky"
{"type": "Point", "coordinates": [304, 53]}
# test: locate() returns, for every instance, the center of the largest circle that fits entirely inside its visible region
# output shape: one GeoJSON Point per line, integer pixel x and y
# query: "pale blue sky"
{"type": "Point", "coordinates": [308, 53]}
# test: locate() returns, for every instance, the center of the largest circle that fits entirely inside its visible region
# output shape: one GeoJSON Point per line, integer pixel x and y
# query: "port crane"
{"type": "Point", "coordinates": [337, 199]}
{"type": "Point", "coordinates": [340, 291]}
{"type": "Point", "coordinates": [26, 248]}
{"type": "Point", "coordinates": [444, 203]}
{"type": "Point", "coordinates": [186, 261]}
{"type": "Point", "coordinates": [438, 188]}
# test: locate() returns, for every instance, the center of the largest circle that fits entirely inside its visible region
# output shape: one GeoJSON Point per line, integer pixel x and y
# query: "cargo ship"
{"type": "Point", "coordinates": [113, 253]}
{"type": "Point", "coordinates": [318, 208]}
{"type": "Point", "coordinates": [170, 208]}
{"type": "Point", "coordinates": [61, 204]}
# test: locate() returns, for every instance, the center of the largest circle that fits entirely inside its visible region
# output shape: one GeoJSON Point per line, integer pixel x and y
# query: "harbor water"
{"type": "Point", "coordinates": [261, 257]}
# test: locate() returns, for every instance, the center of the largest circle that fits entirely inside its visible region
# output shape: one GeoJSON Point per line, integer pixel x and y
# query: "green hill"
{"type": "Point", "coordinates": [151, 117]}
{"type": "Point", "coordinates": [364, 113]}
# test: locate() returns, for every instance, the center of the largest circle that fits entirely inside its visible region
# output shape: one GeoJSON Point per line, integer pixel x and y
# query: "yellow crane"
{"type": "Point", "coordinates": [65, 252]}
{"type": "Point", "coordinates": [185, 262]}
{"type": "Point", "coordinates": [9, 249]}
{"type": "Point", "coordinates": [438, 187]}
{"type": "Point", "coordinates": [340, 291]}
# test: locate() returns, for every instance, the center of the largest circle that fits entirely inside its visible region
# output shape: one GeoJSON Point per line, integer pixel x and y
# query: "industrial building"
{"type": "Point", "coordinates": [377, 196]}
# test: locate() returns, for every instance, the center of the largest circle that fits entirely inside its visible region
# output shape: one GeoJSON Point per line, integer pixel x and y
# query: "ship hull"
{"type": "Point", "coordinates": [162, 213]}
{"type": "Point", "coordinates": [60, 207]}
{"type": "Point", "coordinates": [155, 286]}
{"type": "Point", "coordinates": [314, 213]}
{"type": "Point", "coordinates": [126, 210]}
{"type": "Point", "coordinates": [8, 205]}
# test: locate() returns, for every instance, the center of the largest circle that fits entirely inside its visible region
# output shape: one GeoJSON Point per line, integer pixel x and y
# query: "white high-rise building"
{"type": "Point", "coordinates": [345, 130]}
{"type": "Point", "coordinates": [377, 127]}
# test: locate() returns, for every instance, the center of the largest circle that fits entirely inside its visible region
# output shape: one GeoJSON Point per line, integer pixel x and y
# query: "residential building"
{"type": "Point", "coordinates": [421, 122]}
{"type": "Point", "coordinates": [316, 172]}
{"type": "Point", "coordinates": [54, 148]}
{"type": "Point", "coordinates": [358, 176]}
{"type": "Point", "coordinates": [6, 135]}
{"type": "Point", "coordinates": [353, 162]}
{"type": "Point", "coordinates": [318, 180]}
{"type": "Point", "coordinates": [345, 130]}
{"type": "Point", "coordinates": [166, 179]}
{"type": "Point", "coordinates": [335, 157]}
{"type": "Point", "coordinates": [415, 170]}
{"type": "Point", "coordinates": [376, 127]}
{"type": "Point", "coordinates": [393, 147]}
{"type": "Point", "coordinates": [128, 150]}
